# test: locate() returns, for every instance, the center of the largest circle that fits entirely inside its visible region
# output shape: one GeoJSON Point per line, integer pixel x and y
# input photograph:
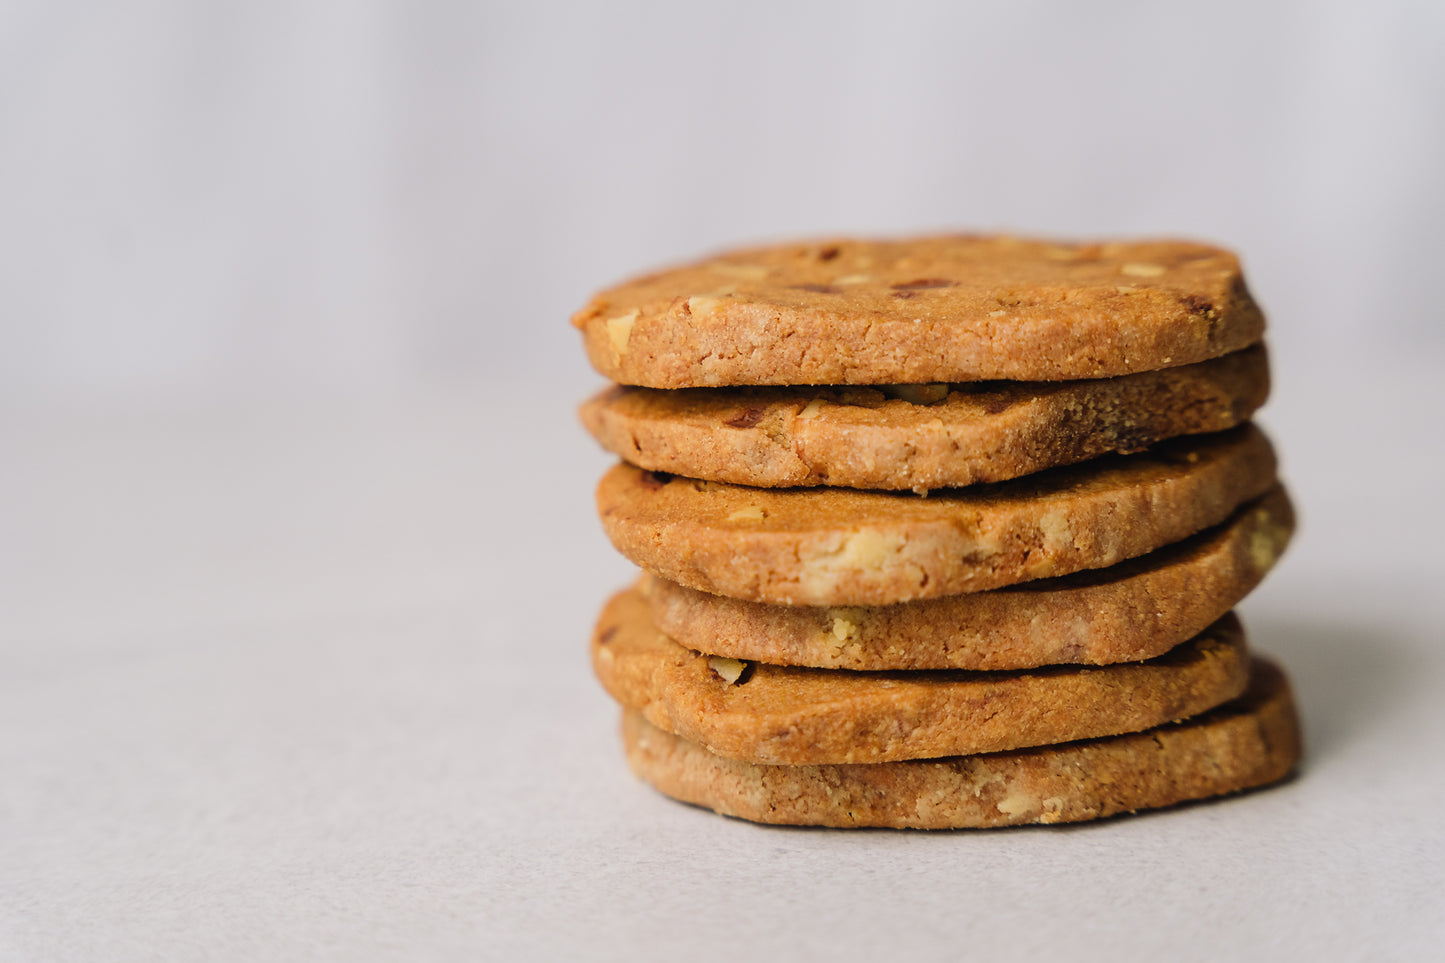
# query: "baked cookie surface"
{"type": "Point", "coordinates": [831, 546]}
{"type": "Point", "coordinates": [946, 436]}
{"type": "Point", "coordinates": [774, 714]}
{"type": "Point", "coordinates": [1249, 742]}
{"type": "Point", "coordinates": [932, 309]}
{"type": "Point", "coordinates": [1128, 612]}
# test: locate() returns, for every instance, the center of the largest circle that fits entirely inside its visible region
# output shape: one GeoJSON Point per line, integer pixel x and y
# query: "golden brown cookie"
{"type": "Point", "coordinates": [918, 436]}
{"type": "Point", "coordinates": [792, 715]}
{"type": "Point", "coordinates": [1128, 612]}
{"type": "Point", "coordinates": [1250, 742]}
{"type": "Point", "coordinates": [833, 546]}
{"type": "Point", "coordinates": [931, 309]}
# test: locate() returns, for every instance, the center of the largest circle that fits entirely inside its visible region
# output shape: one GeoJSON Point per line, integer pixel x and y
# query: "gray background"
{"type": "Point", "coordinates": [271, 197]}
{"type": "Point", "coordinates": [297, 552]}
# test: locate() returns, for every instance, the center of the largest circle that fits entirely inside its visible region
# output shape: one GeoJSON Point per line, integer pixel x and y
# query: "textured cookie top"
{"type": "Point", "coordinates": [953, 308]}
{"type": "Point", "coordinates": [918, 437]}
{"type": "Point", "coordinates": [835, 546]}
{"type": "Point", "coordinates": [798, 716]}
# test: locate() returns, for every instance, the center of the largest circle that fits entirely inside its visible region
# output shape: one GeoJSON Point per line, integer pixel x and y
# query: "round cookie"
{"type": "Point", "coordinates": [918, 437]}
{"type": "Point", "coordinates": [949, 308]}
{"type": "Point", "coordinates": [798, 716]}
{"type": "Point", "coordinates": [832, 546]}
{"type": "Point", "coordinates": [1250, 742]}
{"type": "Point", "coordinates": [1128, 612]}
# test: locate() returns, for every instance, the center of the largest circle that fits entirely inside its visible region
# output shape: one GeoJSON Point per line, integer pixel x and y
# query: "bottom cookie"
{"type": "Point", "coordinates": [1249, 742]}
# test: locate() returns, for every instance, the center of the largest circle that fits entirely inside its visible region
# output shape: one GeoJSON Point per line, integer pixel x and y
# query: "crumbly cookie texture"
{"type": "Point", "coordinates": [918, 437]}
{"type": "Point", "coordinates": [798, 716]}
{"type": "Point", "coordinates": [1128, 612]}
{"type": "Point", "coordinates": [831, 546]}
{"type": "Point", "coordinates": [933, 309]}
{"type": "Point", "coordinates": [1249, 742]}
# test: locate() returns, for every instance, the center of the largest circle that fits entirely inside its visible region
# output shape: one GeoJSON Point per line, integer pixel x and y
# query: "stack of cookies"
{"type": "Point", "coordinates": [939, 533]}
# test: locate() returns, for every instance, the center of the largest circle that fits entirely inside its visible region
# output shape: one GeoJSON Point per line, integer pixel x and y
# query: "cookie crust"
{"type": "Point", "coordinates": [863, 438]}
{"type": "Point", "coordinates": [1129, 612]}
{"type": "Point", "coordinates": [800, 716]}
{"type": "Point", "coordinates": [829, 546]}
{"type": "Point", "coordinates": [945, 308]}
{"type": "Point", "coordinates": [1249, 742]}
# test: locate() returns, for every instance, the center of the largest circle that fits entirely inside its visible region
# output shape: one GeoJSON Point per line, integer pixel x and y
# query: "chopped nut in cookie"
{"type": "Point", "coordinates": [1140, 270]}
{"type": "Point", "coordinates": [729, 670]}
{"type": "Point", "coordinates": [619, 330]}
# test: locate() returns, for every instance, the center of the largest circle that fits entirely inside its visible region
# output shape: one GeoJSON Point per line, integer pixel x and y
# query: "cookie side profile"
{"type": "Point", "coordinates": [1250, 742]}
{"type": "Point", "coordinates": [792, 715]}
{"type": "Point", "coordinates": [934, 309]}
{"type": "Point", "coordinates": [1128, 612]}
{"type": "Point", "coordinates": [936, 436]}
{"type": "Point", "coordinates": [831, 546]}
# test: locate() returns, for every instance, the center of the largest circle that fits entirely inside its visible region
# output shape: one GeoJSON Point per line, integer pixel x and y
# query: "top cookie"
{"type": "Point", "coordinates": [951, 308]}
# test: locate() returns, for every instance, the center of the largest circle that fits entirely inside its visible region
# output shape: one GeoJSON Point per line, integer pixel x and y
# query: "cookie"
{"type": "Point", "coordinates": [834, 546]}
{"type": "Point", "coordinates": [918, 437]}
{"type": "Point", "coordinates": [796, 716]}
{"type": "Point", "coordinates": [1250, 742]}
{"type": "Point", "coordinates": [933, 309]}
{"type": "Point", "coordinates": [1128, 612]}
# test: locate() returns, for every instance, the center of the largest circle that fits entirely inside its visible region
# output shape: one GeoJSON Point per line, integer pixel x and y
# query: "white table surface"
{"type": "Point", "coordinates": [309, 681]}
